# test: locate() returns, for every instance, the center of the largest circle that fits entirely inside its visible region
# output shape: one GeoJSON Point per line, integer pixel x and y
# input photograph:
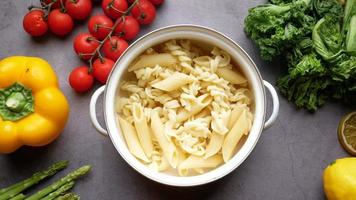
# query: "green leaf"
{"type": "Point", "coordinates": [275, 28]}
{"type": "Point", "coordinates": [345, 69]}
{"type": "Point", "coordinates": [350, 11]}
{"type": "Point", "coordinates": [307, 92]}
{"type": "Point", "coordinates": [327, 38]}
{"type": "Point", "coordinates": [309, 65]}
{"type": "Point", "coordinates": [328, 7]}
{"type": "Point", "coordinates": [351, 37]}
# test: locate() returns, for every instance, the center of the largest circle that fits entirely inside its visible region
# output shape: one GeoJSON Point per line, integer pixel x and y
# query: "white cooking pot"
{"type": "Point", "coordinates": [207, 36]}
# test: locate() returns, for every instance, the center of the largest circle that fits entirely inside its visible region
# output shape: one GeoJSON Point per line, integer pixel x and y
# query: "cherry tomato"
{"type": "Point", "coordinates": [56, 4]}
{"type": "Point", "coordinates": [114, 8]}
{"type": "Point", "coordinates": [144, 12]}
{"type": "Point", "coordinates": [128, 28]}
{"type": "Point", "coordinates": [34, 23]}
{"type": "Point", "coordinates": [114, 47]}
{"type": "Point", "coordinates": [80, 79]}
{"type": "Point", "coordinates": [60, 23]}
{"type": "Point", "coordinates": [85, 43]}
{"type": "Point", "coordinates": [102, 69]}
{"type": "Point", "coordinates": [79, 9]}
{"type": "Point", "coordinates": [156, 2]}
{"type": "Point", "coordinates": [99, 26]}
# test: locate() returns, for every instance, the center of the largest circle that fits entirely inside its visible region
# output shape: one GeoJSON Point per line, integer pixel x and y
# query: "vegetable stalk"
{"type": "Point", "coordinates": [56, 185]}
{"type": "Point", "coordinates": [69, 196]}
{"type": "Point", "coordinates": [16, 189]}
{"type": "Point", "coordinates": [19, 197]}
{"type": "Point", "coordinates": [60, 191]}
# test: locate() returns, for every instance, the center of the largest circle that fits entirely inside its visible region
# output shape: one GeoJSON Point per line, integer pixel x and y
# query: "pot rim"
{"type": "Point", "coordinates": [171, 180]}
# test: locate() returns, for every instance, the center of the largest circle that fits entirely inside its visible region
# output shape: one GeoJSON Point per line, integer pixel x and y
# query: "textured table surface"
{"type": "Point", "coordinates": [287, 162]}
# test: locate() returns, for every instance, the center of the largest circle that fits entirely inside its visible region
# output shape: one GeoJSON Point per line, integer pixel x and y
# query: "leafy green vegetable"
{"type": "Point", "coordinates": [327, 38]}
{"type": "Point", "coordinates": [306, 92]}
{"type": "Point", "coordinates": [318, 38]}
{"type": "Point", "coordinates": [351, 37]}
{"type": "Point", "coordinates": [350, 11]}
{"type": "Point", "coordinates": [277, 2]}
{"type": "Point", "coordinates": [309, 65]}
{"type": "Point", "coordinates": [277, 27]}
{"type": "Point", "coordinates": [344, 70]}
{"type": "Point", "coordinates": [305, 46]}
{"type": "Point", "coordinates": [328, 7]}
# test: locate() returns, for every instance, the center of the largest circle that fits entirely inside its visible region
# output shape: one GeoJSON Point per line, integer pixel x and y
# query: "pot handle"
{"type": "Point", "coordinates": [92, 109]}
{"type": "Point", "coordinates": [275, 102]}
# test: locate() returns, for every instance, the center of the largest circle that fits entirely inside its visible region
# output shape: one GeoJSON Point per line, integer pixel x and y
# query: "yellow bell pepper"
{"type": "Point", "coordinates": [33, 110]}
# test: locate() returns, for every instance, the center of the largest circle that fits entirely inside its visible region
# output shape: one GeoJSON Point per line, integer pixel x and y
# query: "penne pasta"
{"type": "Point", "coordinates": [215, 144]}
{"type": "Point", "coordinates": [162, 59]}
{"type": "Point", "coordinates": [234, 136]}
{"type": "Point", "coordinates": [168, 148]}
{"type": "Point", "coordinates": [182, 156]}
{"type": "Point", "coordinates": [235, 114]}
{"type": "Point", "coordinates": [198, 163]}
{"type": "Point", "coordinates": [173, 82]}
{"type": "Point", "coordinates": [217, 139]}
{"type": "Point", "coordinates": [142, 129]}
{"type": "Point", "coordinates": [231, 76]}
{"type": "Point", "coordinates": [131, 139]}
{"type": "Point", "coordinates": [161, 164]}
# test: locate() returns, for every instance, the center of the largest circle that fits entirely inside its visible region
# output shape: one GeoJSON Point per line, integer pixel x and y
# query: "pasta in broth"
{"type": "Point", "coordinates": [185, 110]}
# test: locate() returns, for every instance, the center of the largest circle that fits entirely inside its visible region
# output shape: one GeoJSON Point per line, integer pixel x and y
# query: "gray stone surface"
{"type": "Point", "coordinates": [287, 162]}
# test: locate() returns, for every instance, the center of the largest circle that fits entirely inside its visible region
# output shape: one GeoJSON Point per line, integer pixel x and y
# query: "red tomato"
{"type": "Point", "coordinates": [144, 12]}
{"type": "Point", "coordinates": [85, 43]}
{"type": "Point", "coordinates": [130, 1]}
{"type": "Point", "coordinates": [114, 8]}
{"type": "Point", "coordinates": [34, 23]}
{"type": "Point", "coordinates": [99, 26]}
{"type": "Point", "coordinates": [79, 9]}
{"type": "Point", "coordinates": [60, 23]}
{"type": "Point", "coordinates": [80, 79]}
{"type": "Point", "coordinates": [56, 4]}
{"type": "Point", "coordinates": [102, 69]}
{"type": "Point", "coordinates": [114, 47]}
{"type": "Point", "coordinates": [156, 2]}
{"type": "Point", "coordinates": [128, 28]}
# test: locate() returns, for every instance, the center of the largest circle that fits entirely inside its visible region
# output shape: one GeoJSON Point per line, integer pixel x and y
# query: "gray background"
{"type": "Point", "coordinates": [287, 162]}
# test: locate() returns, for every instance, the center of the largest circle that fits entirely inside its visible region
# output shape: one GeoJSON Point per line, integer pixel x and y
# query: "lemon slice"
{"type": "Point", "coordinates": [347, 133]}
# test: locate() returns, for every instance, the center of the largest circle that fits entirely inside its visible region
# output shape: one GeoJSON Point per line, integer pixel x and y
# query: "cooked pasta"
{"type": "Point", "coordinates": [186, 110]}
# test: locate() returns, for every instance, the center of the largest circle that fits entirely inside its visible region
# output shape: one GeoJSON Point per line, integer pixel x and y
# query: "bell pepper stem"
{"type": "Point", "coordinates": [15, 102]}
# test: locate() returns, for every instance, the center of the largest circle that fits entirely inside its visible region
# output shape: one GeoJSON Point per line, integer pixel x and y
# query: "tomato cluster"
{"type": "Point", "coordinates": [107, 38]}
{"type": "Point", "coordinates": [56, 15]}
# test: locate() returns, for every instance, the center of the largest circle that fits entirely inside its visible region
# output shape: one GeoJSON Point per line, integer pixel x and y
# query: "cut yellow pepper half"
{"type": "Point", "coordinates": [33, 110]}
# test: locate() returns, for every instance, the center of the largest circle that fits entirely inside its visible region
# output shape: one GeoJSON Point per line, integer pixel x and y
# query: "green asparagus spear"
{"type": "Point", "coordinates": [18, 197]}
{"type": "Point", "coordinates": [16, 189]}
{"type": "Point", "coordinates": [69, 196]}
{"type": "Point", "coordinates": [60, 191]}
{"type": "Point", "coordinates": [54, 186]}
{"type": "Point", "coordinates": [2, 191]}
